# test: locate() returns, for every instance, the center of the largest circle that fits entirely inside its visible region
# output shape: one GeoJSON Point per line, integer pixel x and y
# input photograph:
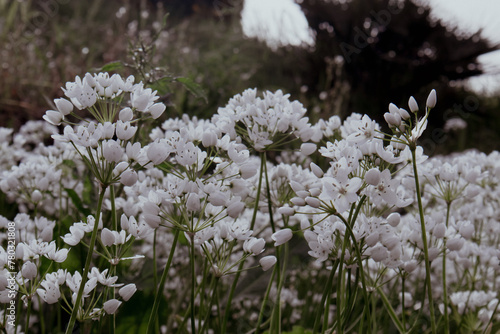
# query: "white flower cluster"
{"type": "Point", "coordinates": [264, 123]}
{"type": "Point", "coordinates": [195, 199]}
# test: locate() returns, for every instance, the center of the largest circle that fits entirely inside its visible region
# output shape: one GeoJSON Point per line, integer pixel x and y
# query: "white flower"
{"type": "Point", "coordinates": [372, 176]}
{"type": "Point", "coordinates": [124, 130]}
{"type": "Point", "coordinates": [50, 292]}
{"type": "Point", "coordinates": [308, 148]}
{"type": "Point", "coordinates": [112, 151]}
{"type": "Point", "coordinates": [254, 245]}
{"type": "Point", "coordinates": [157, 152]}
{"type": "Point", "coordinates": [64, 106]}
{"type": "Point", "coordinates": [157, 110]}
{"type": "Point", "coordinates": [282, 236]}
{"type": "Point", "coordinates": [127, 291]}
{"type": "Point", "coordinates": [393, 219]}
{"type": "Point", "coordinates": [143, 99]}
{"type": "Point", "coordinates": [128, 178]}
{"type": "Point", "coordinates": [53, 117]}
{"type": "Point", "coordinates": [267, 262]}
{"type": "Point", "coordinates": [412, 103]}
{"type": "Point", "coordinates": [126, 115]}
{"type": "Point", "coordinates": [29, 270]}
{"type": "Point", "coordinates": [286, 211]}
{"type": "Point", "coordinates": [107, 237]}
{"type": "Point", "coordinates": [431, 99]}
{"type": "Point", "coordinates": [58, 256]}
{"type": "Point", "coordinates": [111, 306]}
{"type": "Point", "coordinates": [235, 208]}
{"type": "Point", "coordinates": [341, 190]}
{"type": "Point", "coordinates": [75, 236]}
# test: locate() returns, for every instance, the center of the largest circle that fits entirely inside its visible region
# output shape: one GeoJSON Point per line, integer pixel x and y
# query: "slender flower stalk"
{"type": "Point", "coordinates": [86, 270]}
{"type": "Point", "coordinates": [445, 288]}
{"type": "Point", "coordinates": [424, 241]}
{"type": "Point", "coordinates": [159, 291]}
{"type": "Point", "coordinates": [252, 224]}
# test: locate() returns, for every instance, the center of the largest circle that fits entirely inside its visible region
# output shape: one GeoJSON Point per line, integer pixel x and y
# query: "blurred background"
{"type": "Point", "coordinates": [336, 57]}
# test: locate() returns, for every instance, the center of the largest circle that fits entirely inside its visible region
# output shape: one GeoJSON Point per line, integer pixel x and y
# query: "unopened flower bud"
{"type": "Point", "coordinates": [125, 225]}
{"type": "Point", "coordinates": [431, 99]}
{"type": "Point", "coordinates": [126, 115]}
{"type": "Point", "coordinates": [64, 106]}
{"type": "Point", "coordinates": [29, 270]}
{"type": "Point", "coordinates": [308, 148]}
{"type": "Point", "coordinates": [36, 196]}
{"type": "Point", "coordinates": [286, 211]}
{"type": "Point", "coordinates": [393, 109]}
{"type": "Point", "coordinates": [439, 230]}
{"type": "Point", "coordinates": [247, 171]}
{"type": "Point", "coordinates": [111, 306]}
{"type": "Point", "coordinates": [466, 231]}
{"type": "Point", "coordinates": [281, 236]}
{"type": "Point", "coordinates": [296, 186]}
{"type": "Point", "coordinates": [393, 219]}
{"type": "Point", "coordinates": [410, 266]}
{"type": "Point", "coordinates": [412, 103]}
{"type": "Point", "coordinates": [157, 153]}
{"type": "Point", "coordinates": [129, 178]}
{"type": "Point", "coordinates": [209, 139]}
{"type": "Point", "coordinates": [157, 110]}
{"type": "Point", "coordinates": [433, 253]}
{"type": "Point", "coordinates": [127, 291]}
{"type": "Point", "coordinates": [108, 130]}
{"type": "Point", "coordinates": [193, 202]}
{"type": "Point", "coordinates": [267, 262]}
{"type": "Point", "coordinates": [298, 201]}
{"type": "Point", "coordinates": [455, 244]}
{"type": "Point", "coordinates": [235, 209]}
{"type": "Point", "coordinates": [112, 151]}
{"type": "Point", "coordinates": [316, 170]}
{"type": "Point", "coordinates": [313, 201]}
{"type": "Point", "coordinates": [403, 113]}
{"type": "Point", "coordinates": [372, 176]}
{"type": "Point", "coordinates": [392, 120]}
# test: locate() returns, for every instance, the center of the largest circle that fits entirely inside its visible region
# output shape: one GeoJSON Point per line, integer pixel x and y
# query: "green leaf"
{"type": "Point", "coordinates": [77, 202]}
{"type": "Point", "coordinates": [193, 87]}
{"type": "Point", "coordinates": [113, 66]}
{"type": "Point", "coordinates": [161, 85]}
{"type": "Point", "coordinates": [11, 16]}
{"type": "Point", "coordinates": [183, 240]}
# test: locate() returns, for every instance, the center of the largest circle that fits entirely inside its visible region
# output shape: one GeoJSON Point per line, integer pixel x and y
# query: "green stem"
{"type": "Point", "coordinates": [155, 271]}
{"type": "Point", "coordinates": [240, 267]}
{"type": "Point", "coordinates": [424, 240]}
{"type": "Point", "coordinates": [264, 302]}
{"type": "Point", "coordinates": [326, 294]}
{"type": "Point", "coordinates": [193, 283]}
{"type": "Point", "coordinates": [159, 292]}
{"type": "Point", "coordinates": [403, 318]}
{"type": "Point", "coordinates": [445, 292]}
{"type": "Point", "coordinates": [340, 289]}
{"type": "Point", "coordinates": [86, 270]}
{"type": "Point", "coordinates": [391, 311]}
{"type": "Point", "coordinates": [214, 294]}
{"type": "Point", "coordinates": [28, 312]}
